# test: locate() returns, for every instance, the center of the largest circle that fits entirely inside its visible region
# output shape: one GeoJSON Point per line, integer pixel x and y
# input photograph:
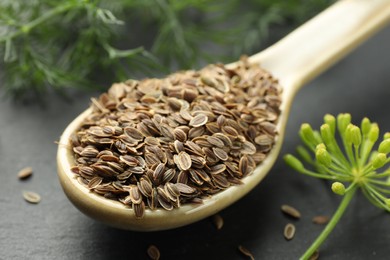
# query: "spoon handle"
{"type": "Point", "coordinates": [323, 40]}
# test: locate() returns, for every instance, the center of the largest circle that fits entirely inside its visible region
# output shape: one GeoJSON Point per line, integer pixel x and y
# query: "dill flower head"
{"type": "Point", "coordinates": [349, 161]}
{"type": "Point", "coordinates": [345, 154]}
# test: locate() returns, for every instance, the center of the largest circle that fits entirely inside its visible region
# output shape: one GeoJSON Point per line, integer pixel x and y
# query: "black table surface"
{"type": "Point", "coordinates": [55, 229]}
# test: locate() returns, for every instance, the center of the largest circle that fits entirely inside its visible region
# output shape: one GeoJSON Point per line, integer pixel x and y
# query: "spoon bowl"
{"type": "Point", "coordinates": [294, 60]}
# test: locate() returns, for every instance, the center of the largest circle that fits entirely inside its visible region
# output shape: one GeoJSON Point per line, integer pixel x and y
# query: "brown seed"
{"type": "Point", "coordinates": [171, 189]}
{"type": "Point", "coordinates": [135, 195]}
{"type": "Point", "coordinates": [184, 189]}
{"type": "Point", "coordinates": [218, 168]}
{"type": "Point", "coordinates": [184, 161]}
{"type": "Point", "coordinates": [168, 175]}
{"type": "Point", "coordinates": [197, 161]}
{"type": "Point", "coordinates": [230, 131]}
{"type": "Point", "coordinates": [167, 131]}
{"type": "Point", "coordinates": [139, 209]}
{"type": "Point", "coordinates": [218, 221]}
{"type": "Point", "coordinates": [145, 187]}
{"type": "Point", "coordinates": [82, 181]}
{"type": "Point", "coordinates": [196, 131]}
{"type": "Point", "coordinates": [129, 160]}
{"type": "Point", "coordinates": [194, 148]}
{"type": "Point", "coordinates": [159, 171]}
{"type": "Point", "coordinates": [153, 252]}
{"type": "Point", "coordinates": [245, 252]}
{"type": "Point", "coordinates": [248, 148]}
{"type": "Point", "coordinates": [289, 231]}
{"type": "Point", "coordinates": [174, 103]}
{"type": "Point", "coordinates": [134, 133]}
{"type": "Point", "coordinates": [182, 177]}
{"type": "Point", "coordinates": [290, 211]}
{"type": "Point", "coordinates": [163, 199]}
{"type": "Point", "coordinates": [109, 158]}
{"type": "Point", "coordinates": [221, 181]}
{"type": "Point", "coordinates": [180, 135]}
{"type": "Point", "coordinates": [220, 153]}
{"type": "Point", "coordinates": [179, 146]}
{"type": "Point", "coordinates": [89, 152]}
{"type": "Point", "coordinates": [215, 141]}
{"type": "Point", "coordinates": [152, 201]}
{"type": "Point", "coordinates": [243, 165]}
{"type": "Point", "coordinates": [315, 255]}
{"type": "Point", "coordinates": [220, 120]}
{"type": "Point", "coordinates": [31, 197]}
{"type": "Point", "coordinates": [185, 114]}
{"type": "Point", "coordinates": [321, 220]}
{"type": "Point", "coordinates": [151, 141]}
{"type": "Point", "coordinates": [25, 173]}
{"type": "Point", "coordinates": [213, 127]}
{"type": "Point", "coordinates": [226, 140]}
{"type": "Point", "coordinates": [263, 140]}
{"type": "Point", "coordinates": [195, 177]}
{"type": "Point", "coordinates": [198, 120]}
{"type": "Point", "coordinates": [94, 182]}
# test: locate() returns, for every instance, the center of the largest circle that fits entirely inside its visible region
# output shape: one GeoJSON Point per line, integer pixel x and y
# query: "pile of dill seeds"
{"type": "Point", "coordinates": [159, 143]}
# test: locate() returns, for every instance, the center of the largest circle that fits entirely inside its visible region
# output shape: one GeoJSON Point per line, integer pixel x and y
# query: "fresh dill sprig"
{"type": "Point", "coordinates": [47, 44]}
{"type": "Point", "coordinates": [51, 45]}
{"type": "Point", "coordinates": [351, 164]}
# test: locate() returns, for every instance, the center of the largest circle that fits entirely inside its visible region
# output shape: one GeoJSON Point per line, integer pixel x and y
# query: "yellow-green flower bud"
{"type": "Point", "coordinates": [338, 188]}
{"type": "Point", "coordinates": [308, 134]}
{"type": "Point", "coordinates": [379, 160]}
{"type": "Point", "coordinates": [304, 154]}
{"type": "Point", "coordinates": [323, 157]}
{"type": "Point", "coordinates": [326, 134]}
{"type": "Point", "coordinates": [343, 120]}
{"type": "Point", "coordinates": [320, 146]}
{"type": "Point", "coordinates": [331, 121]}
{"type": "Point", "coordinates": [373, 134]}
{"type": "Point", "coordinates": [386, 135]}
{"type": "Point", "coordinates": [294, 163]}
{"type": "Point", "coordinates": [365, 125]}
{"type": "Point", "coordinates": [384, 146]}
{"type": "Point", "coordinates": [353, 135]}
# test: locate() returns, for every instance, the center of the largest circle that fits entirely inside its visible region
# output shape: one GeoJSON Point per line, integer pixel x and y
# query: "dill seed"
{"type": "Point", "coordinates": [161, 143]}
{"type": "Point", "coordinates": [246, 252]}
{"type": "Point", "coordinates": [25, 173]}
{"type": "Point", "coordinates": [153, 252]}
{"type": "Point", "coordinates": [315, 255]}
{"type": "Point", "coordinates": [218, 221]}
{"type": "Point", "coordinates": [31, 197]}
{"type": "Point", "coordinates": [290, 211]}
{"type": "Point", "coordinates": [289, 231]}
{"type": "Point", "coordinates": [321, 220]}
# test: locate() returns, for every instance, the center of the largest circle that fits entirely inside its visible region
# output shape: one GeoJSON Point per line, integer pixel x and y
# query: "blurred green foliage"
{"type": "Point", "coordinates": [56, 45]}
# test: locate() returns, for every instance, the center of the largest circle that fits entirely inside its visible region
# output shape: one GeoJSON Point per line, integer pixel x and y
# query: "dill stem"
{"type": "Point", "coordinates": [331, 225]}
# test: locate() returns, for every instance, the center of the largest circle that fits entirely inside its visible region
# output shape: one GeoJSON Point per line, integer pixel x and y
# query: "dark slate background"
{"type": "Point", "coordinates": [54, 229]}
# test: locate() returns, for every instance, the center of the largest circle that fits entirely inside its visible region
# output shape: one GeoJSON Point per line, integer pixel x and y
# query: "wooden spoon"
{"type": "Point", "coordinates": [294, 60]}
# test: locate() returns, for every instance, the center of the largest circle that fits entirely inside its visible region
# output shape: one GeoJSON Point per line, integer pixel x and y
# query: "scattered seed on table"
{"type": "Point", "coordinates": [289, 231]}
{"type": "Point", "coordinates": [246, 252]}
{"type": "Point", "coordinates": [321, 220]}
{"type": "Point", "coordinates": [315, 255]}
{"type": "Point", "coordinates": [153, 252]}
{"type": "Point", "coordinates": [25, 173]}
{"type": "Point", "coordinates": [218, 221]}
{"type": "Point", "coordinates": [290, 211]}
{"type": "Point", "coordinates": [31, 197]}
